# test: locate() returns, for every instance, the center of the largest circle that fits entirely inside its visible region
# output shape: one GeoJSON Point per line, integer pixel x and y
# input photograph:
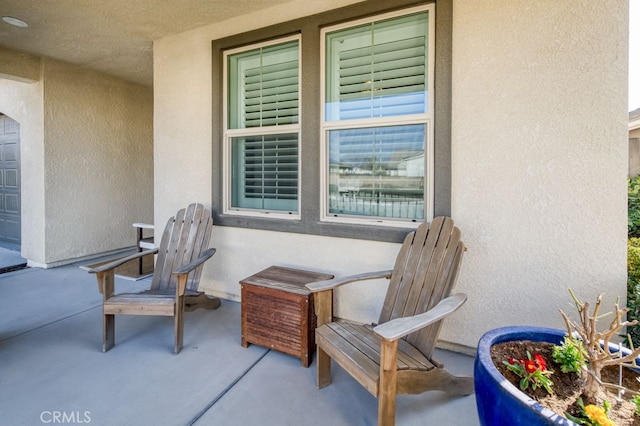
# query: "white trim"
{"type": "Point", "coordinates": [426, 119]}
{"type": "Point", "coordinates": [230, 133]}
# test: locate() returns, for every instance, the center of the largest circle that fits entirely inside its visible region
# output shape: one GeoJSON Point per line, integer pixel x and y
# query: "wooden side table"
{"type": "Point", "coordinates": [278, 312]}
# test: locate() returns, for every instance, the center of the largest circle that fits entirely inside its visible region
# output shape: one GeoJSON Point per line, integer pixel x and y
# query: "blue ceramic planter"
{"type": "Point", "coordinates": [500, 402]}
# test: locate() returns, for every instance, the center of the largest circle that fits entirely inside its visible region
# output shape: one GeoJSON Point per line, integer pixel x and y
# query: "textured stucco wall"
{"type": "Point", "coordinates": [19, 66]}
{"type": "Point", "coordinates": [539, 159]}
{"type": "Point", "coordinates": [86, 159]}
{"type": "Point", "coordinates": [23, 103]}
{"type": "Point", "coordinates": [98, 161]}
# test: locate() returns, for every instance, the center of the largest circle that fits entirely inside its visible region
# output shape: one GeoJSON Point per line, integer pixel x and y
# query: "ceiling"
{"type": "Point", "coordinates": [112, 36]}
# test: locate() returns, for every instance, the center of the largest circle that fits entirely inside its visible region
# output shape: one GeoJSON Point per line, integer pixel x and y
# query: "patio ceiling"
{"type": "Point", "coordinates": [116, 36]}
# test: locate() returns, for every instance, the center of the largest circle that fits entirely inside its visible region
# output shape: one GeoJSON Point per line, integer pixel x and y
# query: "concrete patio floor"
{"type": "Point", "coordinates": [51, 365]}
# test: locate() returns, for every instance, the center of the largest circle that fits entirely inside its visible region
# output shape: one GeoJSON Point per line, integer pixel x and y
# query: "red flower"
{"type": "Point", "coordinates": [540, 362]}
{"type": "Point", "coordinates": [530, 366]}
{"type": "Point", "coordinates": [512, 361]}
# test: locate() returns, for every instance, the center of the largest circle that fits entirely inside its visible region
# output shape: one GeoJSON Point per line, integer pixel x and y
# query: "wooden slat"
{"type": "Point", "coordinates": [396, 277]}
{"type": "Point", "coordinates": [184, 239]}
{"type": "Point", "coordinates": [286, 279]}
{"type": "Point", "coordinates": [159, 270]}
{"type": "Point", "coordinates": [136, 304]}
{"type": "Point", "coordinates": [427, 338]}
{"type": "Point", "coordinates": [425, 290]}
{"type": "Point", "coordinates": [361, 367]}
{"type": "Point", "coordinates": [278, 311]}
{"type": "Point", "coordinates": [179, 240]}
{"type": "Point", "coordinates": [428, 254]}
{"type": "Point", "coordinates": [364, 338]}
{"type": "Point", "coordinates": [362, 335]}
{"type": "Point", "coordinates": [422, 276]}
{"type": "Point", "coordinates": [358, 354]}
{"type": "Point", "coordinates": [201, 245]}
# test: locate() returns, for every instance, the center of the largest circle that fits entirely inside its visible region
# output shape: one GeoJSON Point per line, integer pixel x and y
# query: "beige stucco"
{"type": "Point", "coordinates": [86, 157]}
{"type": "Point", "coordinates": [540, 157]}
{"type": "Point", "coordinates": [23, 103]}
{"type": "Point", "coordinates": [539, 160]}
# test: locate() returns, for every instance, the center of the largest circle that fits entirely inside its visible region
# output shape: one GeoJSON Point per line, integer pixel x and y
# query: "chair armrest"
{"type": "Point", "coordinates": [143, 225]}
{"type": "Point", "coordinates": [336, 282]}
{"type": "Point", "coordinates": [400, 327]}
{"type": "Point", "coordinates": [118, 262]}
{"type": "Point", "coordinates": [194, 264]}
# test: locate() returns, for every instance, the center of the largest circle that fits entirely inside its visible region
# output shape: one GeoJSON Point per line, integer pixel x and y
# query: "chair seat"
{"type": "Point", "coordinates": [356, 348]}
{"type": "Point", "coordinates": [169, 292]}
{"type": "Point", "coordinates": [130, 304]}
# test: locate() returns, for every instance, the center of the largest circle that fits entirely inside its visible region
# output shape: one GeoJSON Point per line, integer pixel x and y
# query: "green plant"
{"type": "Point", "coordinates": [571, 355]}
{"type": "Point", "coordinates": [636, 400]}
{"type": "Point", "coordinates": [592, 415]}
{"type": "Point", "coordinates": [532, 371]}
{"type": "Point", "coordinates": [597, 343]}
{"type": "Point", "coordinates": [633, 258]}
{"type": "Point", "coordinates": [633, 206]}
{"type": "Point", "coordinates": [633, 289]}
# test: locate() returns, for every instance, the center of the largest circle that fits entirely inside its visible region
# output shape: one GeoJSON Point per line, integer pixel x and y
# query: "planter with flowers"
{"type": "Point", "coordinates": [540, 376]}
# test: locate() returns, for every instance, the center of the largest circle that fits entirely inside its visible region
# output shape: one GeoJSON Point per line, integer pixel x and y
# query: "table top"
{"type": "Point", "coordinates": [286, 279]}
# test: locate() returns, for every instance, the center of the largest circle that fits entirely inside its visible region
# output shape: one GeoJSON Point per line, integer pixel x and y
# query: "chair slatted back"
{"type": "Point", "coordinates": [424, 273]}
{"type": "Point", "coordinates": [185, 237]}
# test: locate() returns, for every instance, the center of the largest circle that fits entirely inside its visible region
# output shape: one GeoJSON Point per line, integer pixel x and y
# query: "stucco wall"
{"type": "Point", "coordinates": [86, 158]}
{"type": "Point", "coordinates": [23, 103]}
{"type": "Point", "coordinates": [98, 161]}
{"type": "Point", "coordinates": [539, 159]}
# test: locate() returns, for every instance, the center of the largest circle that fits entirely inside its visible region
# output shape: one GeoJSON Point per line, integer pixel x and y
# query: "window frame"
{"type": "Point", "coordinates": [310, 27]}
{"type": "Point", "coordinates": [228, 135]}
{"type": "Point", "coordinates": [426, 119]}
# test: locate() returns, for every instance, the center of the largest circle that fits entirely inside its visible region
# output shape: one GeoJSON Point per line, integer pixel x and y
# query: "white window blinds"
{"type": "Point", "coordinates": [263, 95]}
{"type": "Point", "coordinates": [376, 118]}
{"type": "Point", "coordinates": [378, 70]}
{"type": "Point", "coordinates": [264, 87]}
{"type": "Point", "coordinates": [271, 95]}
{"type": "Point", "coordinates": [267, 171]}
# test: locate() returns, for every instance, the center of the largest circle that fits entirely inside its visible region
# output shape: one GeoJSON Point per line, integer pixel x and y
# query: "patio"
{"type": "Point", "coordinates": [51, 365]}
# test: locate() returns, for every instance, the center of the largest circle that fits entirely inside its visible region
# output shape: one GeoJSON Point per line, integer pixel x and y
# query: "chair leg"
{"type": "Point", "coordinates": [108, 332]}
{"type": "Point", "coordinates": [388, 384]}
{"type": "Point", "coordinates": [179, 326]}
{"type": "Point", "coordinates": [386, 408]}
{"type": "Point", "coordinates": [324, 368]}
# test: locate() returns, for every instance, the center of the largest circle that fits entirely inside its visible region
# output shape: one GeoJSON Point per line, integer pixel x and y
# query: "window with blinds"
{"type": "Point", "coordinates": [376, 120]}
{"type": "Point", "coordinates": [378, 69]}
{"type": "Point", "coordinates": [263, 127]}
{"type": "Point", "coordinates": [265, 172]}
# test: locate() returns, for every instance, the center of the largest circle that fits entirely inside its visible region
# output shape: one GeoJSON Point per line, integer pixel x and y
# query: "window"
{"type": "Point", "coordinates": [342, 156]}
{"type": "Point", "coordinates": [262, 129]}
{"type": "Point", "coordinates": [376, 125]}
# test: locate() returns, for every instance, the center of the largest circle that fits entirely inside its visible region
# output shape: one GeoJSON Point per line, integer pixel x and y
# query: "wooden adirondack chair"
{"type": "Point", "coordinates": [395, 357]}
{"type": "Point", "coordinates": [180, 258]}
